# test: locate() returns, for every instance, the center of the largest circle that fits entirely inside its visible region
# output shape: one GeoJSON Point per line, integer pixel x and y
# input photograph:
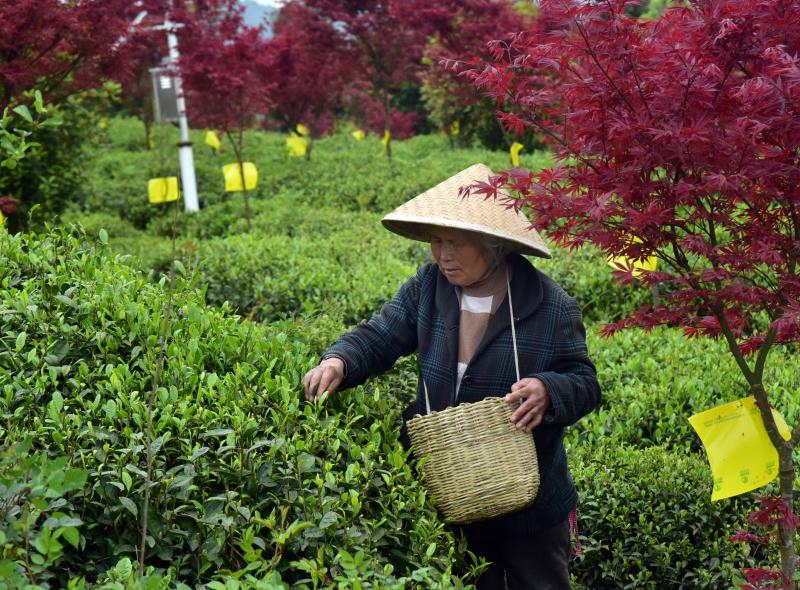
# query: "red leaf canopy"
{"type": "Point", "coordinates": [679, 138]}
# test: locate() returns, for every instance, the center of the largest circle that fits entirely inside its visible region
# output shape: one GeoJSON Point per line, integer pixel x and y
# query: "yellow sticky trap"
{"type": "Point", "coordinates": [303, 130]}
{"type": "Point", "coordinates": [358, 135]}
{"type": "Point", "coordinates": [296, 145]}
{"type": "Point", "coordinates": [163, 190]}
{"type": "Point", "coordinates": [212, 140]}
{"type": "Point", "coordinates": [233, 179]}
{"type": "Point", "coordinates": [385, 141]}
{"type": "Point", "coordinates": [741, 456]}
{"type": "Point", "coordinates": [455, 128]}
{"type": "Point", "coordinates": [515, 149]}
{"type": "Point", "coordinates": [639, 266]}
{"type": "Point", "coordinates": [103, 123]}
{"type": "Point", "coordinates": [1, 219]}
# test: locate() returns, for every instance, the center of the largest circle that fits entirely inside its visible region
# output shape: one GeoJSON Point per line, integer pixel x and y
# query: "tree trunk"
{"type": "Point", "coordinates": [238, 147]}
{"type": "Point", "coordinates": [309, 147]}
{"type": "Point", "coordinates": [786, 528]}
{"type": "Point", "coordinates": [786, 473]}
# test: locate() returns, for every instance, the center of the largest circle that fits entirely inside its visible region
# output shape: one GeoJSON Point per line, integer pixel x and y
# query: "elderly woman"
{"type": "Point", "coordinates": [455, 314]}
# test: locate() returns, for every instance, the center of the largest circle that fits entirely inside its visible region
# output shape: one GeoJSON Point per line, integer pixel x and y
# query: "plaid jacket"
{"type": "Point", "coordinates": [423, 317]}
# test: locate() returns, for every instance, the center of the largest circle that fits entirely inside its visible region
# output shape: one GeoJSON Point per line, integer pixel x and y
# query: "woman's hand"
{"type": "Point", "coordinates": [326, 376]}
{"type": "Point", "coordinates": [535, 402]}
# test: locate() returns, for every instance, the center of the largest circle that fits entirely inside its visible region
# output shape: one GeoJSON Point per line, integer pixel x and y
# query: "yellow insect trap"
{"type": "Point", "coordinates": [741, 456]}
{"type": "Point", "coordinates": [638, 266]}
{"type": "Point", "coordinates": [514, 151]}
{"type": "Point", "coordinates": [296, 145]}
{"type": "Point", "coordinates": [212, 140]}
{"type": "Point", "coordinates": [649, 264]}
{"type": "Point", "coordinates": [163, 190]}
{"type": "Point", "coordinates": [233, 178]}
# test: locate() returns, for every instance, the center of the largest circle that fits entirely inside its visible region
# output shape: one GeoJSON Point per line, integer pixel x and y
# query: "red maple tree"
{"type": "Point", "coordinates": [388, 39]}
{"type": "Point", "coordinates": [465, 37]}
{"type": "Point", "coordinates": [60, 47]}
{"type": "Point", "coordinates": [677, 138]}
{"type": "Point", "coordinates": [306, 89]}
{"type": "Point", "coordinates": [225, 75]}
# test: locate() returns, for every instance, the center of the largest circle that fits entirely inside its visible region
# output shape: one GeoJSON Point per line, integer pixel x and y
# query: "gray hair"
{"type": "Point", "coordinates": [497, 247]}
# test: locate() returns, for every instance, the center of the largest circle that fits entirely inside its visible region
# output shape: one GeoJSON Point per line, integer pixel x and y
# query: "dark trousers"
{"type": "Point", "coordinates": [529, 563]}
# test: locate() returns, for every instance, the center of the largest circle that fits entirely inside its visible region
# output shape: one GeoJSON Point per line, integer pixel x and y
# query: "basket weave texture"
{"type": "Point", "coordinates": [479, 464]}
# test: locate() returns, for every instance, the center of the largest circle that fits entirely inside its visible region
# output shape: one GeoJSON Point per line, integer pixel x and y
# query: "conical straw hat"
{"type": "Point", "coordinates": [441, 206]}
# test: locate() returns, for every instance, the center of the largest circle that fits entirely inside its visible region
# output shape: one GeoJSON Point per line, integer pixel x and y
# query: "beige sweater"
{"type": "Point", "coordinates": [479, 302]}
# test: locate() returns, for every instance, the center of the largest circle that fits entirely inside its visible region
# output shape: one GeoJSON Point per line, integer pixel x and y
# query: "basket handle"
{"type": "Point", "coordinates": [513, 329]}
{"type": "Point", "coordinates": [513, 339]}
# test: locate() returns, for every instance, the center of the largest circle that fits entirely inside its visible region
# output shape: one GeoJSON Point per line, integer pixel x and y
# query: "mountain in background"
{"type": "Point", "coordinates": [255, 13]}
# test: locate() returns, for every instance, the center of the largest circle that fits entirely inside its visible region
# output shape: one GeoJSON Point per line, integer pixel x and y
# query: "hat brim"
{"type": "Point", "coordinates": [420, 228]}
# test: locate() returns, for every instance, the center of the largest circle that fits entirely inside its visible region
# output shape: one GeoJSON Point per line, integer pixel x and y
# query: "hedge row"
{"type": "Point", "coordinates": [653, 381]}
{"type": "Point", "coordinates": [299, 259]}
{"type": "Point", "coordinates": [248, 479]}
{"type": "Point", "coordinates": [354, 175]}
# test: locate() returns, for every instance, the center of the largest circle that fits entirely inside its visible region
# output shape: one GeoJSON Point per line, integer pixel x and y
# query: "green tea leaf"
{"type": "Point", "coordinates": [23, 112]}
{"type": "Point", "coordinates": [129, 504]}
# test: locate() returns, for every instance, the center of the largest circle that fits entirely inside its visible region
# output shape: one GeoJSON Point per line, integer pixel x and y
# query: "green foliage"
{"type": "Point", "coordinates": [652, 382]}
{"type": "Point", "coordinates": [247, 478]}
{"type": "Point", "coordinates": [647, 522]}
{"type": "Point", "coordinates": [271, 277]}
{"type": "Point", "coordinates": [477, 122]}
{"type": "Point", "coordinates": [17, 126]}
{"type": "Point", "coordinates": [585, 275]}
{"type": "Point", "coordinates": [51, 174]}
{"type": "Point", "coordinates": [254, 488]}
{"type": "Point", "coordinates": [655, 8]}
{"type": "Point", "coordinates": [36, 518]}
{"type": "Point", "coordinates": [343, 172]}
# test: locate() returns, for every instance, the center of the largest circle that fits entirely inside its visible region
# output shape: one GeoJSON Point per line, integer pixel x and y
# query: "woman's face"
{"type": "Point", "coordinates": [460, 256]}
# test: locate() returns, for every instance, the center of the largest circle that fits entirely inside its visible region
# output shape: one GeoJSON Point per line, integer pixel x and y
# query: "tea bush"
{"type": "Point", "coordinates": [585, 275]}
{"type": "Point", "coordinates": [276, 277]}
{"type": "Point", "coordinates": [342, 172]}
{"type": "Point", "coordinates": [647, 522]}
{"type": "Point", "coordinates": [246, 477]}
{"type": "Point", "coordinates": [652, 382]}
{"type": "Point", "coordinates": [252, 484]}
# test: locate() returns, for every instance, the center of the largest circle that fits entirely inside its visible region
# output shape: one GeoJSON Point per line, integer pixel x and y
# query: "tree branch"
{"type": "Point", "coordinates": [732, 344]}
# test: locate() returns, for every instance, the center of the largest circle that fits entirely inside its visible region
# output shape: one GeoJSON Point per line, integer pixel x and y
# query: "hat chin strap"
{"type": "Point", "coordinates": [513, 340]}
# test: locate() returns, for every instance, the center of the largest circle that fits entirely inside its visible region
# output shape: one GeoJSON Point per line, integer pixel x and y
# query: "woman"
{"type": "Point", "coordinates": [454, 313]}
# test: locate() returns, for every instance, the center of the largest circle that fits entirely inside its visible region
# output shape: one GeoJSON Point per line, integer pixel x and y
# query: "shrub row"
{"type": "Point", "coordinates": [350, 174]}
{"type": "Point", "coordinates": [245, 478]}
{"type": "Point", "coordinates": [652, 382]}
{"type": "Point", "coordinates": [297, 257]}
{"type": "Point", "coordinates": [248, 477]}
{"type": "Point", "coordinates": [647, 522]}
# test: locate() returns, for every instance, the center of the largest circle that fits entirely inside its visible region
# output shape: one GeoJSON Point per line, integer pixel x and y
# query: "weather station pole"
{"type": "Point", "coordinates": [185, 153]}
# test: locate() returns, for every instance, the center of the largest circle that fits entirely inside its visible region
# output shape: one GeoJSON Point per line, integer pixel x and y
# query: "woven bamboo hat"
{"type": "Point", "coordinates": [441, 206]}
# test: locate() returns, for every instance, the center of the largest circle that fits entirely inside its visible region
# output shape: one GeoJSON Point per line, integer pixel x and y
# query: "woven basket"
{"type": "Point", "coordinates": [479, 464]}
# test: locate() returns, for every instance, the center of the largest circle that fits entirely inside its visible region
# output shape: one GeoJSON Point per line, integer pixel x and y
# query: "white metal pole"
{"type": "Point", "coordinates": [185, 153]}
